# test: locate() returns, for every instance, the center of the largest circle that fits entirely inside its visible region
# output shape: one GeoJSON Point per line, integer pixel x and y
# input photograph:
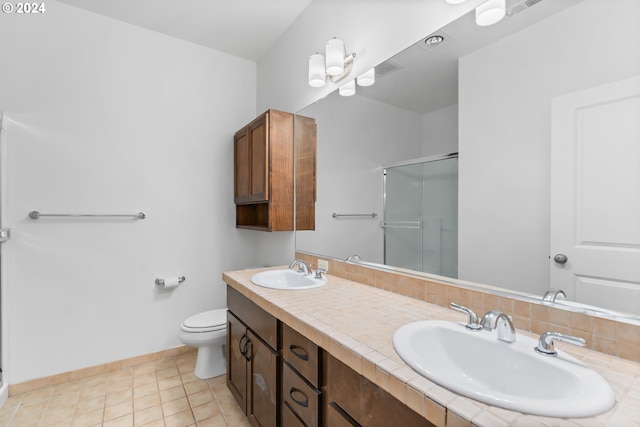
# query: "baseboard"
{"type": "Point", "coordinates": [4, 394]}
{"type": "Point", "coordinates": [40, 383]}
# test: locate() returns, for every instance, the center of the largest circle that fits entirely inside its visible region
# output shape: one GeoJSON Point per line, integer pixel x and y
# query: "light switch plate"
{"type": "Point", "coordinates": [323, 264]}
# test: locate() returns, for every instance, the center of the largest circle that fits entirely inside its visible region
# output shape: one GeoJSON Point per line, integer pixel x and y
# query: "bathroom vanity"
{"type": "Point", "coordinates": [333, 343]}
{"type": "Point", "coordinates": [280, 377]}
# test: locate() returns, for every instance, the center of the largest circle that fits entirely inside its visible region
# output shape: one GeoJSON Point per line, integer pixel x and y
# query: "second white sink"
{"type": "Point", "coordinates": [508, 375]}
{"type": "Point", "coordinates": [286, 279]}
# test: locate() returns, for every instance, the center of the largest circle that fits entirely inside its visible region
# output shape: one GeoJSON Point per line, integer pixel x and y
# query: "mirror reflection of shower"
{"type": "Point", "coordinates": [421, 214]}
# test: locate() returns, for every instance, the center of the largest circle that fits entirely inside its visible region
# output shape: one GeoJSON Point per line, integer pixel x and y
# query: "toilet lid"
{"type": "Point", "coordinates": [209, 320]}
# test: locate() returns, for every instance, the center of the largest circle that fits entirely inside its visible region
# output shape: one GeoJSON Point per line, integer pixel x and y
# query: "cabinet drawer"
{"type": "Point", "coordinates": [303, 399]}
{"type": "Point", "coordinates": [262, 323]}
{"type": "Point", "coordinates": [289, 419]}
{"type": "Point", "coordinates": [301, 353]}
{"type": "Point", "coordinates": [335, 417]}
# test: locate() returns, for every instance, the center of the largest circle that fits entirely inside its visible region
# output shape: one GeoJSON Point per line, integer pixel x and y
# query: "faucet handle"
{"type": "Point", "coordinates": [545, 343]}
{"type": "Point", "coordinates": [472, 323]}
{"type": "Point", "coordinates": [319, 272]}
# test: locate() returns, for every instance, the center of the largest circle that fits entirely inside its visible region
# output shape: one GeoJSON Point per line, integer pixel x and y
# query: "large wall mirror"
{"type": "Point", "coordinates": [543, 111]}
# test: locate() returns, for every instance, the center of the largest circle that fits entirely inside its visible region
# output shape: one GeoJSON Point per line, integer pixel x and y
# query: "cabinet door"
{"type": "Point", "coordinates": [262, 408]}
{"type": "Point", "coordinates": [242, 168]}
{"type": "Point", "coordinates": [257, 133]}
{"type": "Point", "coordinates": [236, 360]}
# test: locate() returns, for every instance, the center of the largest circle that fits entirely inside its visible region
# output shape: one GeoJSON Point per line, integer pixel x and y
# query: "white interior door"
{"type": "Point", "coordinates": [595, 195]}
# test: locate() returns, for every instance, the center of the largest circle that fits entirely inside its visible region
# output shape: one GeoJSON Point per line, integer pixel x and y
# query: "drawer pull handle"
{"type": "Point", "coordinates": [246, 352]}
{"type": "Point", "coordinates": [304, 403]}
{"type": "Point", "coordinates": [244, 337]}
{"type": "Point", "coordinates": [299, 352]}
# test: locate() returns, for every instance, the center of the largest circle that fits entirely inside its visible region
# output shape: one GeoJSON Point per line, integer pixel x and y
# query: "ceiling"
{"type": "Point", "coordinates": [244, 28]}
{"type": "Point", "coordinates": [423, 79]}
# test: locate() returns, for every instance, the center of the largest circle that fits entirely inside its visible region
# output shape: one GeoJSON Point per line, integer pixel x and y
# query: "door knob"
{"type": "Point", "coordinates": [560, 258]}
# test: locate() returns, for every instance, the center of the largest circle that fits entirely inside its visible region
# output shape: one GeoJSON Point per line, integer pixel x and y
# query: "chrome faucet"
{"type": "Point", "coordinates": [545, 343]}
{"type": "Point", "coordinates": [303, 267]}
{"type": "Point", "coordinates": [496, 319]}
{"type": "Point", "coordinates": [472, 323]}
{"type": "Point", "coordinates": [354, 258]}
{"type": "Point", "coordinates": [553, 294]}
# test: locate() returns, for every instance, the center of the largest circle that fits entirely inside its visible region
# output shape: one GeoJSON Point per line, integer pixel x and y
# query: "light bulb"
{"type": "Point", "coordinates": [335, 57]}
{"type": "Point", "coordinates": [490, 12]}
{"type": "Point", "coordinates": [368, 78]}
{"type": "Point", "coordinates": [317, 78]}
{"type": "Point", "coordinates": [348, 88]}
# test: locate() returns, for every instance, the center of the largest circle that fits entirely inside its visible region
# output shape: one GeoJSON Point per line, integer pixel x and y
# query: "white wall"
{"type": "Point", "coordinates": [504, 143]}
{"type": "Point", "coordinates": [440, 131]}
{"type": "Point", "coordinates": [351, 151]}
{"type": "Point", "coordinates": [105, 117]}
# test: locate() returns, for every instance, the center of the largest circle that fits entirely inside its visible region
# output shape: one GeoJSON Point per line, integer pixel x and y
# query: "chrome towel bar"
{"type": "Point", "coordinates": [337, 215]}
{"type": "Point", "coordinates": [36, 215]}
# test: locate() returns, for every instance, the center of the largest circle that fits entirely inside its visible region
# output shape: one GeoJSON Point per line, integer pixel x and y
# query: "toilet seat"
{"type": "Point", "coordinates": [208, 321]}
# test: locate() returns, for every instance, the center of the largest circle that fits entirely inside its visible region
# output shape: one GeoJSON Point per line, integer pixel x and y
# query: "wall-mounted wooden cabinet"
{"type": "Point", "coordinates": [264, 172]}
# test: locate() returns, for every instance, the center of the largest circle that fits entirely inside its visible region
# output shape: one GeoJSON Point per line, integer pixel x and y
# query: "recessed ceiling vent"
{"type": "Point", "coordinates": [517, 6]}
{"type": "Point", "coordinates": [386, 68]}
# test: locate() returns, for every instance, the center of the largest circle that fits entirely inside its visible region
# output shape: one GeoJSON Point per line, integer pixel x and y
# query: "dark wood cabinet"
{"type": "Point", "coordinates": [251, 149]}
{"type": "Point", "coordinates": [253, 362]}
{"type": "Point", "coordinates": [305, 152]}
{"type": "Point", "coordinates": [352, 400]}
{"type": "Point", "coordinates": [264, 175]}
{"type": "Point", "coordinates": [262, 388]}
{"type": "Point", "coordinates": [237, 359]}
{"type": "Point", "coordinates": [281, 378]}
{"type": "Point", "coordinates": [300, 377]}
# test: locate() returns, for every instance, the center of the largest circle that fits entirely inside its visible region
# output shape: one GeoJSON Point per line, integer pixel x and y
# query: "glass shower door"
{"type": "Point", "coordinates": [421, 216]}
{"type": "Point", "coordinates": [403, 217]}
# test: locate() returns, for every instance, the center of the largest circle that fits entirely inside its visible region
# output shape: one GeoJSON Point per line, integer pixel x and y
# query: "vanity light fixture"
{"type": "Point", "coordinates": [490, 12]}
{"type": "Point", "coordinates": [335, 63]}
{"type": "Point", "coordinates": [348, 88]}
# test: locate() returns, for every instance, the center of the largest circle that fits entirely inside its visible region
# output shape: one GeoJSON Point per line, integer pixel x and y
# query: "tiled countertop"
{"type": "Point", "coordinates": [356, 322]}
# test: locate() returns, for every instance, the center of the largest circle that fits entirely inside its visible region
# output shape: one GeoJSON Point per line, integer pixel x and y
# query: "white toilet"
{"type": "Point", "coordinates": [208, 332]}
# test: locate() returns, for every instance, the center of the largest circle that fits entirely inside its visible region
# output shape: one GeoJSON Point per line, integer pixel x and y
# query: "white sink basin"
{"type": "Point", "coordinates": [286, 279]}
{"type": "Point", "coordinates": [508, 375]}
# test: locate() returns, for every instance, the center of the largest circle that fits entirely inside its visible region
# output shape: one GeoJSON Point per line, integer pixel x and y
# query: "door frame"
{"type": "Point", "coordinates": [4, 326]}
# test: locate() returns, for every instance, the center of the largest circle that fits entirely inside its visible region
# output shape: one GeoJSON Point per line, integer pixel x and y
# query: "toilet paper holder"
{"type": "Point", "coordinates": [160, 280]}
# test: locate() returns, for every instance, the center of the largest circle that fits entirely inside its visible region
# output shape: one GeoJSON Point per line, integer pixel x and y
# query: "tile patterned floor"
{"type": "Point", "coordinates": [164, 393]}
